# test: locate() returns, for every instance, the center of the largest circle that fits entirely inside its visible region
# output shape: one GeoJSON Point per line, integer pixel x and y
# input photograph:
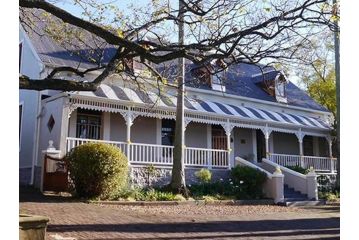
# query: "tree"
{"type": "Point", "coordinates": [226, 31]}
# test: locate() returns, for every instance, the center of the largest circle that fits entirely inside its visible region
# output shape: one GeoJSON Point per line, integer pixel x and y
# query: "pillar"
{"type": "Point", "coordinates": [52, 152]}
{"type": "Point", "coordinates": [267, 132]}
{"type": "Point", "coordinates": [300, 137]}
{"type": "Point", "coordinates": [312, 186]}
{"type": "Point", "coordinates": [129, 117]}
{"type": "Point", "coordinates": [228, 129]}
{"type": "Point", "coordinates": [332, 162]}
{"type": "Point", "coordinates": [278, 186]}
{"type": "Point", "coordinates": [209, 144]}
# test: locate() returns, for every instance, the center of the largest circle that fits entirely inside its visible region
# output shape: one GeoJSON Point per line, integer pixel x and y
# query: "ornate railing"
{"type": "Point", "coordinates": [318, 163]}
{"type": "Point", "coordinates": [140, 153]}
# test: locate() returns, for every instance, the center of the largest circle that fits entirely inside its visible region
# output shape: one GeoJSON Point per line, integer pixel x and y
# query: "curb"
{"type": "Point", "coordinates": [188, 202]}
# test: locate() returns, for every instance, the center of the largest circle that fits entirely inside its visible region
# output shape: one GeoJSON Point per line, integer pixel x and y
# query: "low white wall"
{"type": "Point", "coordinates": [273, 186]}
{"type": "Point", "coordinates": [292, 178]}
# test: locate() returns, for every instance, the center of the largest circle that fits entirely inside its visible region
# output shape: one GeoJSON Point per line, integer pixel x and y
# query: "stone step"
{"type": "Point", "coordinates": [302, 203]}
{"type": "Point", "coordinates": [296, 196]}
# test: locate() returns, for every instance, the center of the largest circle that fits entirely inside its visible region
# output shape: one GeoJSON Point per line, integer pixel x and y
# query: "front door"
{"type": "Point", "coordinates": [261, 146]}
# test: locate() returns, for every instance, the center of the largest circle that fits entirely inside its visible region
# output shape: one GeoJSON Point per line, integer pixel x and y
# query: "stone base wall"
{"type": "Point", "coordinates": [24, 176]}
{"type": "Point", "coordinates": [162, 175]}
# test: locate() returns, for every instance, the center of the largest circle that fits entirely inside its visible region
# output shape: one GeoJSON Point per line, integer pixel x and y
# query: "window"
{"type": "Point", "coordinates": [168, 132]}
{"type": "Point", "coordinates": [20, 55]}
{"type": "Point", "coordinates": [275, 87]}
{"type": "Point", "coordinates": [88, 124]}
{"type": "Point", "coordinates": [280, 82]}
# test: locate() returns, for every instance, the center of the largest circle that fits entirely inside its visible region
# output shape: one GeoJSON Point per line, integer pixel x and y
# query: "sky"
{"type": "Point", "coordinates": [76, 10]}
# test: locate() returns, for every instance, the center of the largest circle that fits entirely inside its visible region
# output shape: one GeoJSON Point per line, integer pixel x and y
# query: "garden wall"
{"type": "Point", "coordinates": [162, 175]}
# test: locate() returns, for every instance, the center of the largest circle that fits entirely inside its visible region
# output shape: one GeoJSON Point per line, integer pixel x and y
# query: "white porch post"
{"type": "Point", "coordinates": [300, 137]}
{"type": "Point", "coordinates": [267, 132]}
{"type": "Point", "coordinates": [130, 117]}
{"type": "Point", "coordinates": [186, 121]}
{"type": "Point", "coordinates": [209, 144]}
{"type": "Point", "coordinates": [329, 140]}
{"type": "Point", "coordinates": [228, 129]}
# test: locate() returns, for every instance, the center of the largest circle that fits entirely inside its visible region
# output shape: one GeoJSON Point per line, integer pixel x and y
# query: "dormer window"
{"type": "Point", "coordinates": [275, 87]}
{"type": "Point", "coordinates": [204, 75]}
{"type": "Point", "coordinates": [280, 83]}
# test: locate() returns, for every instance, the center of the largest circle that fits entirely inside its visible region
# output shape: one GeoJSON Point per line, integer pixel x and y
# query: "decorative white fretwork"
{"type": "Point", "coordinates": [122, 107]}
{"type": "Point", "coordinates": [129, 116]}
{"type": "Point", "coordinates": [300, 135]}
{"type": "Point", "coordinates": [266, 131]}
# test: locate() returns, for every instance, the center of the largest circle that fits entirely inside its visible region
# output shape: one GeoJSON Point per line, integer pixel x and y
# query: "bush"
{"type": "Point", "coordinates": [299, 169]}
{"type": "Point", "coordinates": [150, 194]}
{"type": "Point", "coordinates": [250, 181]}
{"type": "Point", "coordinates": [98, 170]}
{"type": "Point", "coordinates": [329, 196]}
{"type": "Point", "coordinates": [204, 175]}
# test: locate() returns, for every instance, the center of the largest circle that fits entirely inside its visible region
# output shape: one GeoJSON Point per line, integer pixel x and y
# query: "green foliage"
{"type": "Point", "coordinates": [299, 169]}
{"type": "Point", "coordinates": [247, 184]}
{"type": "Point", "coordinates": [250, 181]}
{"type": "Point", "coordinates": [151, 194]}
{"type": "Point", "coordinates": [329, 196]}
{"type": "Point", "coordinates": [219, 188]}
{"type": "Point", "coordinates": [204, 175]}
{"type": "Point", "coordinates": [98, 170]}
{"type": "Point", "coordinates": [324, 91]}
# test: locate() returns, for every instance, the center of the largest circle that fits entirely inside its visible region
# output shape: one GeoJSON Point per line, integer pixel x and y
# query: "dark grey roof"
{"type": "Point", "coordinates": [239, 78]}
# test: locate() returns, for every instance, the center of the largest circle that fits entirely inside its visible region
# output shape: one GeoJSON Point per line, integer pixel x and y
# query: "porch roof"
{"type": "Point", "coordinates": [115, 92]}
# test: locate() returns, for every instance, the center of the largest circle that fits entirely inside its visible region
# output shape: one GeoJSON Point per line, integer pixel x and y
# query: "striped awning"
{"type": "Point", "coordinates": [115, 92]}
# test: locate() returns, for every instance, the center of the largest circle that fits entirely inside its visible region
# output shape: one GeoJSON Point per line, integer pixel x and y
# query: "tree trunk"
{"type": "Point", "coordinates": [178, 182]}
{"type": "Point", "coordinates": [337, 85]}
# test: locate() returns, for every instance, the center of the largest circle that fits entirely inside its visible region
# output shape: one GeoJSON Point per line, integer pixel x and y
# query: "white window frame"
{"type": "Point", "coordinates": [21, 123]}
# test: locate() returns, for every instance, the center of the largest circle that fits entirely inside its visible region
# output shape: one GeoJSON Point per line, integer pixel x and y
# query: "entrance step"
{"type": "Point", "coordinates": [302, 203]}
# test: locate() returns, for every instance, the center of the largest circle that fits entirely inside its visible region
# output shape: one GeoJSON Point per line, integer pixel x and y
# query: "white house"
{"type": "Point", "coordinates": [252, 115]}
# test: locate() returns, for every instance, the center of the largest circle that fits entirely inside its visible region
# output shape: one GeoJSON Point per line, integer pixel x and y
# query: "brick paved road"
{"type": "Point", "coordinates": [89, 221]}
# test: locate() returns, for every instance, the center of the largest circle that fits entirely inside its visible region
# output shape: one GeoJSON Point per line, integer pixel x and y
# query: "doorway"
{"type": "Point", "coordinates": [219, 138]}
{"type": "Point", "coordinates": [261, 145]}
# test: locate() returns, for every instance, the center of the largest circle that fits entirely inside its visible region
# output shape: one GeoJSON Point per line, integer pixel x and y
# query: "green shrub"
{"type": "Point", "coordinates": [98, 170]}
{"type": "Point", "coordinates": [329, 196]}
{"type": "Point", "coordinates": [299, 169]}
{"type": "Point", "coordinates": [150, 194]}
{"type": "Point", "coordinates": [249, 180]}
{"type": "Point", "coordinates": [204, 175]}
{"type": "Point", "coordinates": [215, 188]}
